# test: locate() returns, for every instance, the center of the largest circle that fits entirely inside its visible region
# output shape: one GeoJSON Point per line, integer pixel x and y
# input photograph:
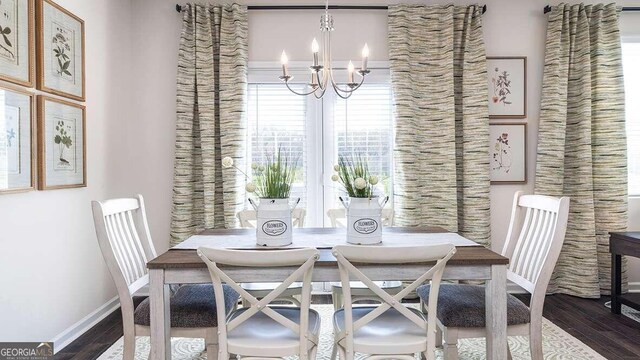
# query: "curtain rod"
{"type": "Point", "coordinates": [316, 7]}
{"type": "Point", "coordinates": [634, 8]}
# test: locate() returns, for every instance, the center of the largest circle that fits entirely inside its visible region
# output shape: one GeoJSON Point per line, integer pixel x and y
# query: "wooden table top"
{"type": "Point", "coordinates": [465, 255]}
{"type": "Point", "coordinates": [627, 235]}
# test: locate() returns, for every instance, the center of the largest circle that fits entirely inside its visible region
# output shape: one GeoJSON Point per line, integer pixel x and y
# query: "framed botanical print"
{"type": "Point", "coordinates": [507, 82]}
{"type": "Point", "coordinates": [61, 144]}
{"type": "Point", "coordinates": [17, 42]}
{"type": "Point", "coordinates": [17, 141]}
{"type": "Point", "coordinates": [508, 153]}
{"type": "Point", "coordinates": [60, 55]}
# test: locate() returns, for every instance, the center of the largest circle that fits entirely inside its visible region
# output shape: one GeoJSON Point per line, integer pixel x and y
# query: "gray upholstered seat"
{"type": "Point", "coordinates": [464, 306]}
{"type": "Point", "coordinates": [191, 306]}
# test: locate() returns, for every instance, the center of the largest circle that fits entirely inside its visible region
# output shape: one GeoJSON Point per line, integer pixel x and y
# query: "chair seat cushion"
{"type": "Point", "coordinates": [191, 306]}
{"type": "Point", "coordinates": [386, 333]}
{"type": "Point", "coordinates": [464, 306]}
{"type": "Point", "coordinates": [272, 338]}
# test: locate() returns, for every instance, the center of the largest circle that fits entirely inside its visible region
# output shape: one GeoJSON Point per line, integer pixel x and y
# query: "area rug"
{"type": "Point", "coordinates": [631, 313]}
{"type": "Point", "coordinates": [557, 345]}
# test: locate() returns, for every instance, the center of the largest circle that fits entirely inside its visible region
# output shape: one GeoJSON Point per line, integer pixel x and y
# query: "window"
{"type": "Point", "coordinates": [631, 67]}
{"type": "Point", "coordinates": [318, 131]}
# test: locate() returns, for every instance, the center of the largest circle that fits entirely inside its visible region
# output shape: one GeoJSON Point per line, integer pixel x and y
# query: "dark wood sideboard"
{"type": "Point", "coordinates": [620, 244]}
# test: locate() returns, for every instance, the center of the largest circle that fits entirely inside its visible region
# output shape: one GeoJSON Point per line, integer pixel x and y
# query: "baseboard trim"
{"type": "Point", "coordinates": [63, 339]}
{"type": "Point", "coordinates": [634, 287]}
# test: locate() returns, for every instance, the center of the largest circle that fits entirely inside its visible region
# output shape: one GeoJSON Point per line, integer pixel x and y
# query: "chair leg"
{"type": "Point", "coordinates": [336, 296]}
{"type": "Point", "coordinates": [509, 357]}
{"type": "Point", "coordinates": [438, 337]}
{"type": "Point", "coordinates": [129, 346]}
{"type": "Point", "coordinates": [450, 345]}
{"type": "Point", "coordinates": [211, 344]}
{"type": "Point", "coordinates": [535, 340]}
{"type": "Point", "coordinates": [334, 351]}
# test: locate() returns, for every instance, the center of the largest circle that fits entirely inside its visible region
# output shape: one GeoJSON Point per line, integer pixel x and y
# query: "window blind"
{"type": "Point", "coordinates": [277, 120]}
{"type": "Point", "coordinates": [363, 125]}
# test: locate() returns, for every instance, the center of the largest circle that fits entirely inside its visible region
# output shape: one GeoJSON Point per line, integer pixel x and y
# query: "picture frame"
{"type": "Point", "coordinates": [60, 56]}
{"type": "Point", "coordinates": [17, 141]}
{"type": "Point", "coordinates": [17, 42]}
{"type": "Point", "coordinates": [508, 153]}
{"type": "Point", "coordinates": [62, 144]}
{"type": "Point", "coordinates": [507, 84]}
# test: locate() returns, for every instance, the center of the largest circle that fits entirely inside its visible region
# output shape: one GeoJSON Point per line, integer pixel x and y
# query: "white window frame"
{"type": "Point", "coordinates": [636, 40]}
{"type": "Point", "coordinates": [319, 184]}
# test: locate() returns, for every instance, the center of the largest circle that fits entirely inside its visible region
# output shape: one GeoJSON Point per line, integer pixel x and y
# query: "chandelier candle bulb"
{"type": "Point", "coordinates": [365, 56]}
{"type": "Point", "coordinates": [351, 69]}
{"type": "Point", "coordinates": [284, 60]}
{"type": "Point", "coordinates": [315, 48]}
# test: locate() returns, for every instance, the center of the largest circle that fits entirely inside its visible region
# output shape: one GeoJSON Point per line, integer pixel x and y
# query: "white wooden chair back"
{"type": "Point", "coordinates": [304, 259]}
{"type": "Point", "coordinates": [338, 217]}
{"type": "Point", "coordinates": [534, 240]}
{"type": "Point", "coordinates": [125, 241]}
{"type": "Point", "coordinates": [348, 254]}
{"type": "Point", "coordinates": [248, 218]}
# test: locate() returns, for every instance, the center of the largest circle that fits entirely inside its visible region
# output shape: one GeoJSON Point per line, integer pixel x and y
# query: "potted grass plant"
{"type": "Point", "coordinates": [364, 208]}
{"type": "Point", "coordinates": [271, 183]}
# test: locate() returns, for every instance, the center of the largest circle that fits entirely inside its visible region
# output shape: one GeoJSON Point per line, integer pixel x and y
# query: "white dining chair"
{"type": "Point", "coordinates": [533, 249]}
{"type": "Point", "coordinates": [248, 218]}
{"type": "Point", "coordinates": [390, 330]}
{"type": "Point", "coordinates": [291, 295]}
{"type": "Point", "coordinates": [125, 241]}
{"type": "Point", "coordinates": [261, 331]}
{"type": "Point", "coordinates": [359, 291]}
{"type": "Point", "coordinates": [338, 217]}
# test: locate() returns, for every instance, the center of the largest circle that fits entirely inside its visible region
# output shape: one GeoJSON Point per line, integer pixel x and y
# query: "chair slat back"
{"type": "Point", "coordinates": [338, 217]}
{"type": "Point", "coordinates": [348, 255]}
{"type": "Point", "coordinates": [534, 240]}
{"type": "Point", "coordinates": [124, 239]}
{"type": "Point", "coordinates": [247, 216]}
{"type": "Point", "coordinates": [304, 259]}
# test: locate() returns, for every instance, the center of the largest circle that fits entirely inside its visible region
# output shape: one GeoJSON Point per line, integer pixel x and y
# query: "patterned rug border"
{"type": "Point", "coordinates": [559, 345]}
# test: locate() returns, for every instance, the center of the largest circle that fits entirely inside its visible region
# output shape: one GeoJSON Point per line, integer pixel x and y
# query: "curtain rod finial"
{"type": "Point", "coordinates": [178, 8]}
{"type": "Point", "coordinates": [547, 9]}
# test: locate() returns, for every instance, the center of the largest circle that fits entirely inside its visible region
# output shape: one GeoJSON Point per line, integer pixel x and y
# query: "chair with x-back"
{"type": "Point", "coordinates": [125, 241]}
{"type": "Point", "coordinates": [390, 330]}
{"type": "Point", "coordinates": [259, 330]}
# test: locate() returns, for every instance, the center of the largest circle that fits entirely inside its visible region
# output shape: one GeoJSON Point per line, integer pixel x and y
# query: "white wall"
{"type": "Point", "coordinates": [510, 28]}
{"type": "Point", "coordinates": [51, 270]}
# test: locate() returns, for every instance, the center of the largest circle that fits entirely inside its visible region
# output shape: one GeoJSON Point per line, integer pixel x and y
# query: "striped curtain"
{"type": "Point", "coordinates": [582, 142]}
{"type": "Point", "coordinates": [439, 79]}
{"type": "Point", "coordinates": [211, 118]}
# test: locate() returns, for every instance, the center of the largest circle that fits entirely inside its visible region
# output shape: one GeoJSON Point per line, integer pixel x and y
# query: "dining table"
{"type": "Point", "coordinates": [471, 262]}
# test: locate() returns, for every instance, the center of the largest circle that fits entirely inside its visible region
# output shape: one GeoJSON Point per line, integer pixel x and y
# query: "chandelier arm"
{"type": "Point", "coordinates": [297, 93]}
{"type": "Point", "coordinates": [348, 91]}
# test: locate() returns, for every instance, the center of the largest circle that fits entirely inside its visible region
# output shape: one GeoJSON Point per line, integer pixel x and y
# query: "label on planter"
{"type": "Point", "coordinates": [274, 227]}
{"type": "Point", "coordinates": [365, 226]}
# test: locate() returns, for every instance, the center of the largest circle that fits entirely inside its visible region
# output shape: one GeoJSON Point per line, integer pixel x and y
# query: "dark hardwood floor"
{"type": "Point", "coordinates": [616, 337]}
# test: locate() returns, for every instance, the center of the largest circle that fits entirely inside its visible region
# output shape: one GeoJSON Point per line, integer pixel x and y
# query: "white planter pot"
{"type": "Point", "coordinates": [273, 227]}
{"type": "Point", "coordinates": [364, 221]}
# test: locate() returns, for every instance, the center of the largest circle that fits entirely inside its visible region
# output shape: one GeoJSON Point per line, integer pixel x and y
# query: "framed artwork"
{"type": "Point", "coordinates": [507, 82]}
{"type": "Point", "coordinates": [17, 141]}
{"type": "Point", "coordinates": [61, 144]}
{"type": "Point", "coordinates": [60, 55]}
{"type": "Point", "coordinates": [508, 153]}
{"type": "Point", "coordinates": [17, 42]}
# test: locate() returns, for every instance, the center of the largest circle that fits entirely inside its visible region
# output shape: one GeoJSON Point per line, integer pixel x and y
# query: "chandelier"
{"type": "Point", "coordinates": [322, 74]}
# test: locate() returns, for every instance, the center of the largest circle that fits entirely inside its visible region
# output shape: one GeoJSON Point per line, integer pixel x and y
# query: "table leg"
{"type": "Point", "coordinates": [496, 313]}
{"type": "Point", "coordinates": [616, 283]}
{"type": "Point", "coordinates": [160, 317]}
